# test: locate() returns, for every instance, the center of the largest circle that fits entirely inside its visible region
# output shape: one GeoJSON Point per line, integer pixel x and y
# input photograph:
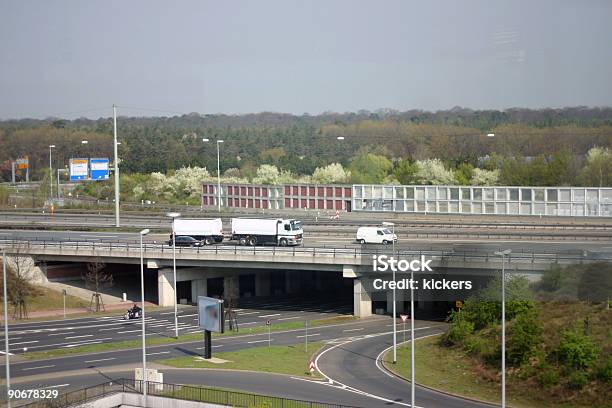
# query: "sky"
{"type": "Point", "coordinates": [71, 58]}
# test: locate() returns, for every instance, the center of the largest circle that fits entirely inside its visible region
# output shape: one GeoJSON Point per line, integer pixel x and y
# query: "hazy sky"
{"type": "Point", "coordinates": [301, 56]}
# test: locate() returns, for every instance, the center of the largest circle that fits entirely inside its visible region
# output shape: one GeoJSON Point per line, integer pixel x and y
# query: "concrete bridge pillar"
{"type": "Point", "coordinates": [199, 287]}
{"type": "Point", "coordinates": [165, 291]}
{"type": "Point", "coordinates": [362, 301]}
{"type": "Point", "coordinates": [263, 283]}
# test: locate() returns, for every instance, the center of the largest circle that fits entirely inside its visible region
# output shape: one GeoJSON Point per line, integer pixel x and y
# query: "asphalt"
{"type": "Point", "coordinates": [349, 364]}
{"type": "Point", "coordinates": [52, 334]}
{"type": "Point", "coordinates": [314, 239]}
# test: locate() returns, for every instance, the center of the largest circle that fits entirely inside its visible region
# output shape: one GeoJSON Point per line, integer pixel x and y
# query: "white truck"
{"type": "Point", "coordinates": [207, 231]}
{"type": "Point", "coordinates": [260, 231]}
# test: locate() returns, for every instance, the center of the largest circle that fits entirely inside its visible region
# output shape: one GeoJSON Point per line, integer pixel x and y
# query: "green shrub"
{"type": "Point", "coordinates": [604, 371]}
{"type": "Point", "coordinates": [476, 345]}
{"type": "Point", "coordinates": [577, 380]}
{"type": "Point", "coordinates": [458, 332]}
{"type": "Point", "coordinates": [576, 350]}
{"type": "Point", "coordinates": [482, 312]}
{"type": "Point", "coordinates": [548, 377]}
{"type": "Point", "coordinates": [524, 336]}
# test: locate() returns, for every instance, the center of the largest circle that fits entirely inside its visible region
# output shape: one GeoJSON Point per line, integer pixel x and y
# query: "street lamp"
{"type": "Point", "coordinates": [116, 165]}
{"type": "Point", "coordinates": [340, 138]}
{"type": "Point", "coordinates": [490, 134]}
{"type": "Point", "coordinates": [218, 177]}
{"type": "Point", "coordinates": [174, 215]}
{"type": "Point", "coordinates": [142, 301]}
{"type": "Point", "coordinates": [503, 255]}
{"type": "Point", "coordinates": [6, 333]}
{"type": "Point", "coordinates": [392, 225]}
{"type": "Point", "coordinates": [50, 173]}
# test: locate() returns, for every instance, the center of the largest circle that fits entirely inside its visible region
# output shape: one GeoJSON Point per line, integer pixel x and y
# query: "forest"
{"type": "Point", "coordinates": [530, 147]}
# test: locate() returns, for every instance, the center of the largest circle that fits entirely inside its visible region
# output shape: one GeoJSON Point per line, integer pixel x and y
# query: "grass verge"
{"type": "Point", "coordinates": [291, 359]}
{"type": "Point", "coordinates": [450, 370]}
{"type": "Point", "coordinates": [158, 341]}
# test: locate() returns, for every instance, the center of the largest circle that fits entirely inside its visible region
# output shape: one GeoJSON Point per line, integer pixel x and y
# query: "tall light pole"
{"type": "Point", "coordinates": [6, 333]}
{"type": "Point", "coordinates": [218, 176]}
{"type": "Point", "coordinates": [392, 225]}
{"type": "Point", "coordinates": [503, 255]}
{"type": "Point", "coordinates": [116, 160]}
{"type": "Point", "coordinates": [174, 215]}
{"type": "Point", "coordinates": [142, 301]}
{"type": "Point", "coordinates": [412, 357]}
{"type": "Point", "coordinates": [50, 173]}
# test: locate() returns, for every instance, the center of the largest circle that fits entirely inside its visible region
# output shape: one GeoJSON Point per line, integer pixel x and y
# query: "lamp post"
{"type": "Point", "coordinates": [6, 333]}
{"type": "Point", "coordinates": [392, 225]}
{"type": "Point", "coordinates": [50, 173]}
{"type": "Point", "coordinates": [218, 176]}
{"type": "Point", "coordinates": [116, 159]}
{"type": "Point", "coordinates": [142, 301]}
{"type": "Point", "coordinates": [503, 255]}
{"type": "Point", "coordinates": [174, 215]}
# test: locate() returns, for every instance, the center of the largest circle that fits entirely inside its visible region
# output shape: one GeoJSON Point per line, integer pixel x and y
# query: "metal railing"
{"type": "Point", "coordinates": [132, 249]}
{"type": "Point", "coordinates": [177, 391]}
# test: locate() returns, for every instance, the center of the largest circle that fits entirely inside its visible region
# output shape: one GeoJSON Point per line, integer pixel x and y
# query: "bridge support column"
{"type": "Point", "coordinates": [362, 301]}
{"type": "Point", "coordinates": [165, 291]}
{"type": "Point", "coordinates": [263, 283]}
{"type": "Point", "coordinates": [199, 287]}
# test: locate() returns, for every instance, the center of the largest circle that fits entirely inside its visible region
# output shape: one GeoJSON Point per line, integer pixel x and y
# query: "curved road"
{"type": "Point", "coordinates": [353, 364]}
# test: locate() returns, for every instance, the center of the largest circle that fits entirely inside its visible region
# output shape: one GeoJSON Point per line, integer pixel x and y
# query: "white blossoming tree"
{"type": "Point", "coordinates": [330, 174]}
{"type": "Point", "coordinates": [432, 171]}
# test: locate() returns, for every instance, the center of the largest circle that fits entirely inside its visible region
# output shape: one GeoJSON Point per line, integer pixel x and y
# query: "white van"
{"type": "Point", "coordinates": [375, 235]}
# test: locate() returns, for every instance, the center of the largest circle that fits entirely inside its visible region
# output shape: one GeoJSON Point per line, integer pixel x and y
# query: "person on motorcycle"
{"type": "Point", "coordinates": [136, 309]}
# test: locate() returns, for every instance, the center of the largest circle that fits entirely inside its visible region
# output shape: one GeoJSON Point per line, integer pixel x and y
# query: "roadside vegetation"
{"type": "Point", "coordinates": [558, 342]}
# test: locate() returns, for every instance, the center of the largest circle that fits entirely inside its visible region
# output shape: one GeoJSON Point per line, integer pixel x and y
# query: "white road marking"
{"type": "Point", "coordinates": [271, 315]}
{"type": "Point", "coordinates": [258, 341]}
{"type": "Point", "coordinates": [351, 330]}
{"type": "Point", "coordinates": [159, 352]}
{"type": "Point", "coordinates": [10, 354]}
{"type": "Point", "coordinates": [60, 334]}
{"type": "Point", "coordinates": [82, 344]}
{"type": "Point", "coordinates": [37, 368]}
{"type": "Point", "coordinates": [79, 337]}
{"type": "Point", "coordinates": [57, 386]}
{"type": "Point", "coordinates": [310, 335]}
{"type": "Point", "coordinates": [100, 359]}
{"type": "Point", "coordinates": [24, 342]}
{"type": "Point", "coordinates": [215, 346]}
{"type": "Point", "coordinates": [289, 318]}
{"type": "Point", "coordinates": [128, 331]}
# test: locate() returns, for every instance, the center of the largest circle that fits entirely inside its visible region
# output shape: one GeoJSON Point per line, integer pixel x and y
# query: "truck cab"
{"type": "Point", "coordinates": [290, 232]}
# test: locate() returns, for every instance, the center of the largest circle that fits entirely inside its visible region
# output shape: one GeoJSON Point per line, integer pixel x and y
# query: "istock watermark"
{"type": "Point", "coordinates": [383, 263]}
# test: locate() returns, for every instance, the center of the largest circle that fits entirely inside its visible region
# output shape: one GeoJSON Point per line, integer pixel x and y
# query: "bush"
{"type": "Point", "coordinates": [548, 377]}
{"type": "Point", "coordinates": [604, 371]}
{"type": "Point", "coordinates": [576, 350]}
{"type": "Point", "coordinates": [476, 345]}
{"type": "Point", "coordinates": [458, 331]}
{"type": "Point", "coordinates": [524, 336]}
{"type": "Point", "coordinates": [577, 380]}
{"type": "Point", "coordinates": [481, 313]}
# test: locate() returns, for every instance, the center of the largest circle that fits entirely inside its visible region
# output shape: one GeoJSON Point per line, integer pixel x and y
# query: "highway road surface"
{"type": "Point", "coordinates": [69, 333]}
{"type": "Point", "coordinates": [313, 239]}
{"type": "Point", "coordinates": [349, 359]}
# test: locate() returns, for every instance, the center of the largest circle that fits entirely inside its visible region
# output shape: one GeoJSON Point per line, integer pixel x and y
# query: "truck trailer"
{"type": "Point", "coordinates": [207, 231]}
{"type": "Point", "coordinates": [260, 231]}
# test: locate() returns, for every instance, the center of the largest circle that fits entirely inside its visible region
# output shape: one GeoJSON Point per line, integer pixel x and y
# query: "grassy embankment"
{"type": "Point", "coordinates": [542, 381]}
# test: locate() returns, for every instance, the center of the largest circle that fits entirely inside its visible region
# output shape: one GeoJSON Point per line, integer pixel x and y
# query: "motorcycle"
{"type": "Point", "coordinates": [132, 314]}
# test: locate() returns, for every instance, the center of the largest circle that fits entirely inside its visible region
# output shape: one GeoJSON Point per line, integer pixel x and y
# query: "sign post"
{"type": "Point", "coordinates": [64, 293]}
{"type": "Point", "coordinates": [311, 367]}
{"type": "Point", "coordinates": [404, 318]}
{"type": "Point", "coordinates": [269, 324]}
{"type": "Point", "coordinates": [210, 318]}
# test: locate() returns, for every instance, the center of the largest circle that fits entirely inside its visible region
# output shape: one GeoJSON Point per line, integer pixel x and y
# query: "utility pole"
{"type": "Point", "coordinates": [116, 166]}
{"type": "Point", "coordinates": [6, 332]}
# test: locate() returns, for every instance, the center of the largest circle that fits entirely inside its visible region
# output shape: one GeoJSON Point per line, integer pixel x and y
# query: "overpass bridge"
{"type": "Point", "coordinates": [198, 265]}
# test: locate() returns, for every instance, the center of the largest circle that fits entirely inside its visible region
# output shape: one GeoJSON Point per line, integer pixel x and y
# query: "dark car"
{"type": "Point", "coordinates": [185, 241]}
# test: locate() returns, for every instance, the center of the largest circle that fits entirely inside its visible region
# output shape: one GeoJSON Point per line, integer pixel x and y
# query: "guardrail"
{"type": "Point", "coordinates": [177, 391]}
{"type": "Point", "coordinates": [129, 249]}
